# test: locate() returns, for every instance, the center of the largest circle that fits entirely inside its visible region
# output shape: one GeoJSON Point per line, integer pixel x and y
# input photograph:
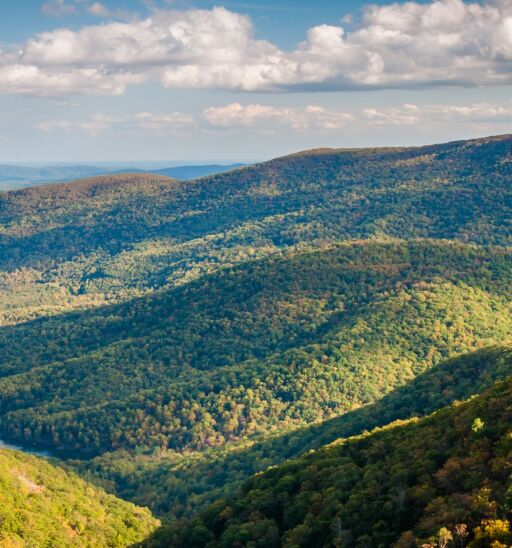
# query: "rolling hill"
{"type": "Point", "coordinates": [119, 234]}
{"type": "Point", "coordinates": [438, 479]}
{"type": "Point", "coordinates": [13, 177]}
{"type": "Point", "coordinates": [187, 334]}
{"type": "Point", "coordinates": [275, 344]}
{"type": "Point", "coordinates": [175, 485]}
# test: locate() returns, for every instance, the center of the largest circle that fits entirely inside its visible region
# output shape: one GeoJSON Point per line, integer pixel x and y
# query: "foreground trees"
{"type": "Point", "coordinates": [434, 481]}
{"type": "Point", "coordinates": [44, 505]}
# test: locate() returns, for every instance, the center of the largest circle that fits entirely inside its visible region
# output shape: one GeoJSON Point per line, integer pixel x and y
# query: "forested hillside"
{"type": "Point", "coordinates": [111, 237]}
{"type": "Point", "coordinates": [42, 505]}
{"type": "Point", "coordinates": [175, 485]}
{"type": "Point", "coordinates": [438, 481]}
{"type": "Point", "coordinates": [176, 337]}
{"type": "Point", "coordinates": [272, 345]}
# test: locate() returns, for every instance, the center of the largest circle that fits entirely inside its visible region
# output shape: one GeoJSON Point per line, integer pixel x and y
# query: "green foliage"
{"type": "Point", "coordinates": [175, 484]}
{"type": "Point", "coordinates": [410, 483]}
{"type": "Point", "coordinates": [265, 347]}
{"type": "Point", "coordinates": [43, 505]}
{"type": "Point", "coordinates": [191, 334]}
{"type": "Point", "coordinates": [111, 237]}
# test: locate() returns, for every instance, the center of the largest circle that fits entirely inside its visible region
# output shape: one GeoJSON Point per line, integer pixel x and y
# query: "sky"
{"type": "Point", "coordinates": [202, 81]}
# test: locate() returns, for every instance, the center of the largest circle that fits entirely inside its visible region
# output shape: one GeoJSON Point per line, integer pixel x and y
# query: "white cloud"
{"type": "Point", "coordinates": [98, 9]}
{"type": "Point", "coordinates": [399, 45]}
{"type": "Point", "coordinates": [311, 117]}
{"type": "Point", "coordinates": [64, 8]}
{"type": "Point", "coordinates": [59, 8]}
{"type": "Point", "coordinates": [319, 119]}
{"type": "Point", "coordinates": [33, 80]}
{"type": "Point", "coordinates": [98, 124]}
{"type": "Point", "coordinates": [406, 115]}
{"type": "Point", "coordinates": [480, 111]}
{"type": "Point", "coordinates": [164, 124]}
{"type": "Point", "coordinates": [438, 114]}
{"type": "Point", "coordinates": [157, 124]}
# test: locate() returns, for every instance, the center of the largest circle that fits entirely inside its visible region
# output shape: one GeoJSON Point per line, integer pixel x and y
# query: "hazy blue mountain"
{"type": "Point", "coordinates": [14, 177]}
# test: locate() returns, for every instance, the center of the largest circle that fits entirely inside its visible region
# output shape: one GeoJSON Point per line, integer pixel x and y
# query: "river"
{"type": "Point", "coordinates": [28, 450]}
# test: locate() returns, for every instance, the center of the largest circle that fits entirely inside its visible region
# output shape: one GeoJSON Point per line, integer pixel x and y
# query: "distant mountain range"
{"type": "Point", "coordinates": [177, 337]}
{"type": "Point", "coordinates": [19, 176]}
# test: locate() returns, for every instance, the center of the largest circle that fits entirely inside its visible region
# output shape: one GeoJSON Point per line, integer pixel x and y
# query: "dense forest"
{"type": "Point", "coordinates": [175, 484]}
{"type": "Point", "coordinates": [170, 339]}
{"type": "Point", "coordinates": [443, 480]}
{"type": "Point", "coordinates": [113, 237]}
{"type": "Point", "coordinates": [275, 344]}
{"type": "Point", "coordinates": [43, 505]}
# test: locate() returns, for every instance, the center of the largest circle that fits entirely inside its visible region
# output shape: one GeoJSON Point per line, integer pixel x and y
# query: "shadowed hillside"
{"type": "Point", "coordinates": [189, 334]}
{"type": "Point", "coordinates": [437, 479]}
{"type": "Point", "coordinates": [174, 485]}
{"type": "Point", "coordinates": [271, 345]}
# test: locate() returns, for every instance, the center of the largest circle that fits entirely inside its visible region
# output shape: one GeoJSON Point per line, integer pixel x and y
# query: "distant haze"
{"type": "Point", "coordinates": [21, 176]}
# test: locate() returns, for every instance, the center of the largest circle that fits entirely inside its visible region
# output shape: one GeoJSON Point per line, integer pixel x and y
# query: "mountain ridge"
{"type": "Point", "coordinates": [153, 324]}
{"type": "Point", "coordinates": [400, 485]}
{"type": "Point", "coordinates": [294, 155]}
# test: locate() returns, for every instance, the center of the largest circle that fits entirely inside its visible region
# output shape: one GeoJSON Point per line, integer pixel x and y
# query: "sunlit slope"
{"type": "Point", "coordinates": [405, 485]}
{"type": "Point", "coordinates": [112, 237]}
{"type": "Point", "coordinates": [174, 485]}
{"type": "Point", "coordinates": [275, 344]}
{"type": "Point", "coordinates": [43, 505]}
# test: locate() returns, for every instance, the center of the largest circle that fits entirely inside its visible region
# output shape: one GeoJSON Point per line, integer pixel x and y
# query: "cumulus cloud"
{"type": "Point", "coordinates": [406, 115]}
{"type": "Point", "coordinates": [59, 8]}
{"type": "Point", "coordinates": [479, 112]}
{"type": "Point", "coordinates": [267, 118]}
{"type": "Point", "coordinates": [317, 118]}
{"type": "Point", "coordinates": [437, 114]}
{"type": "Point", "coordinates": [98, 9]}
{"type": "Point", "coordinates": [164, 124]}
{"type": "Point", "coordinates": [402, 45]}
{"type": "Point", "coordinates": [32, 80]}
{"type": "Point", "coordinates": [63, 8]}
{"type": "Point", "coordinates": [157, 124]}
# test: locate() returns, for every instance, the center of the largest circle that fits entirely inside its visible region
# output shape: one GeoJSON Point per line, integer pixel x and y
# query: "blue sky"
{"type": "Point", "coordinates": [186, 81]}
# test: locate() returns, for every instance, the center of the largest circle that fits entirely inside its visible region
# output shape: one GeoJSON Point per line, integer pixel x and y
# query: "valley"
{"type": "Point", "coordinates": [234, 352]}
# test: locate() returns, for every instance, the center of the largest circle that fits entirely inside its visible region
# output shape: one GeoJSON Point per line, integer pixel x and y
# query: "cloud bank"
{"type": "Point", "coordinates": [266, 118]}
{"type": "Point", "coordinates": [404, 45]}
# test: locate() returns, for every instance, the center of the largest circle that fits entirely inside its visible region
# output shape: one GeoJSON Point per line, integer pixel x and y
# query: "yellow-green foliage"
{"type": "Point", "coordinates": [180, 324]}
{"type": "Point", "coordinates": [261, 348]}
{"type": "Point", "coordinates": [112, 237]}
{"type": "Point", "coordinates": [42, 505]}
{"type": "Point", "coordinates": [424, 482]}
{"type": "Point", "coordinates": [175, 484]}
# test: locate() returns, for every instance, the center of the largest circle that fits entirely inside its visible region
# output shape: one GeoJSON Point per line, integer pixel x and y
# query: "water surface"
{"type": "Point", "coordinates": [27, 450]}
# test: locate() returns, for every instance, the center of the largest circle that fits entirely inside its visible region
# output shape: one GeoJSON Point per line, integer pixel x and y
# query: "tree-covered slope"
{"type": "Point", "coordinates": [174, 485]}
{"type": "Point", "coordinates": [111, 237]}
{"type": "Point", "coordinates": [44, 505]}
{"type": "Point", "coordinates": [444, 478]}
{"type": "Point", "coordinates": [275, 344]}
{"type": "Point", "coordinates": [170, 322]}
